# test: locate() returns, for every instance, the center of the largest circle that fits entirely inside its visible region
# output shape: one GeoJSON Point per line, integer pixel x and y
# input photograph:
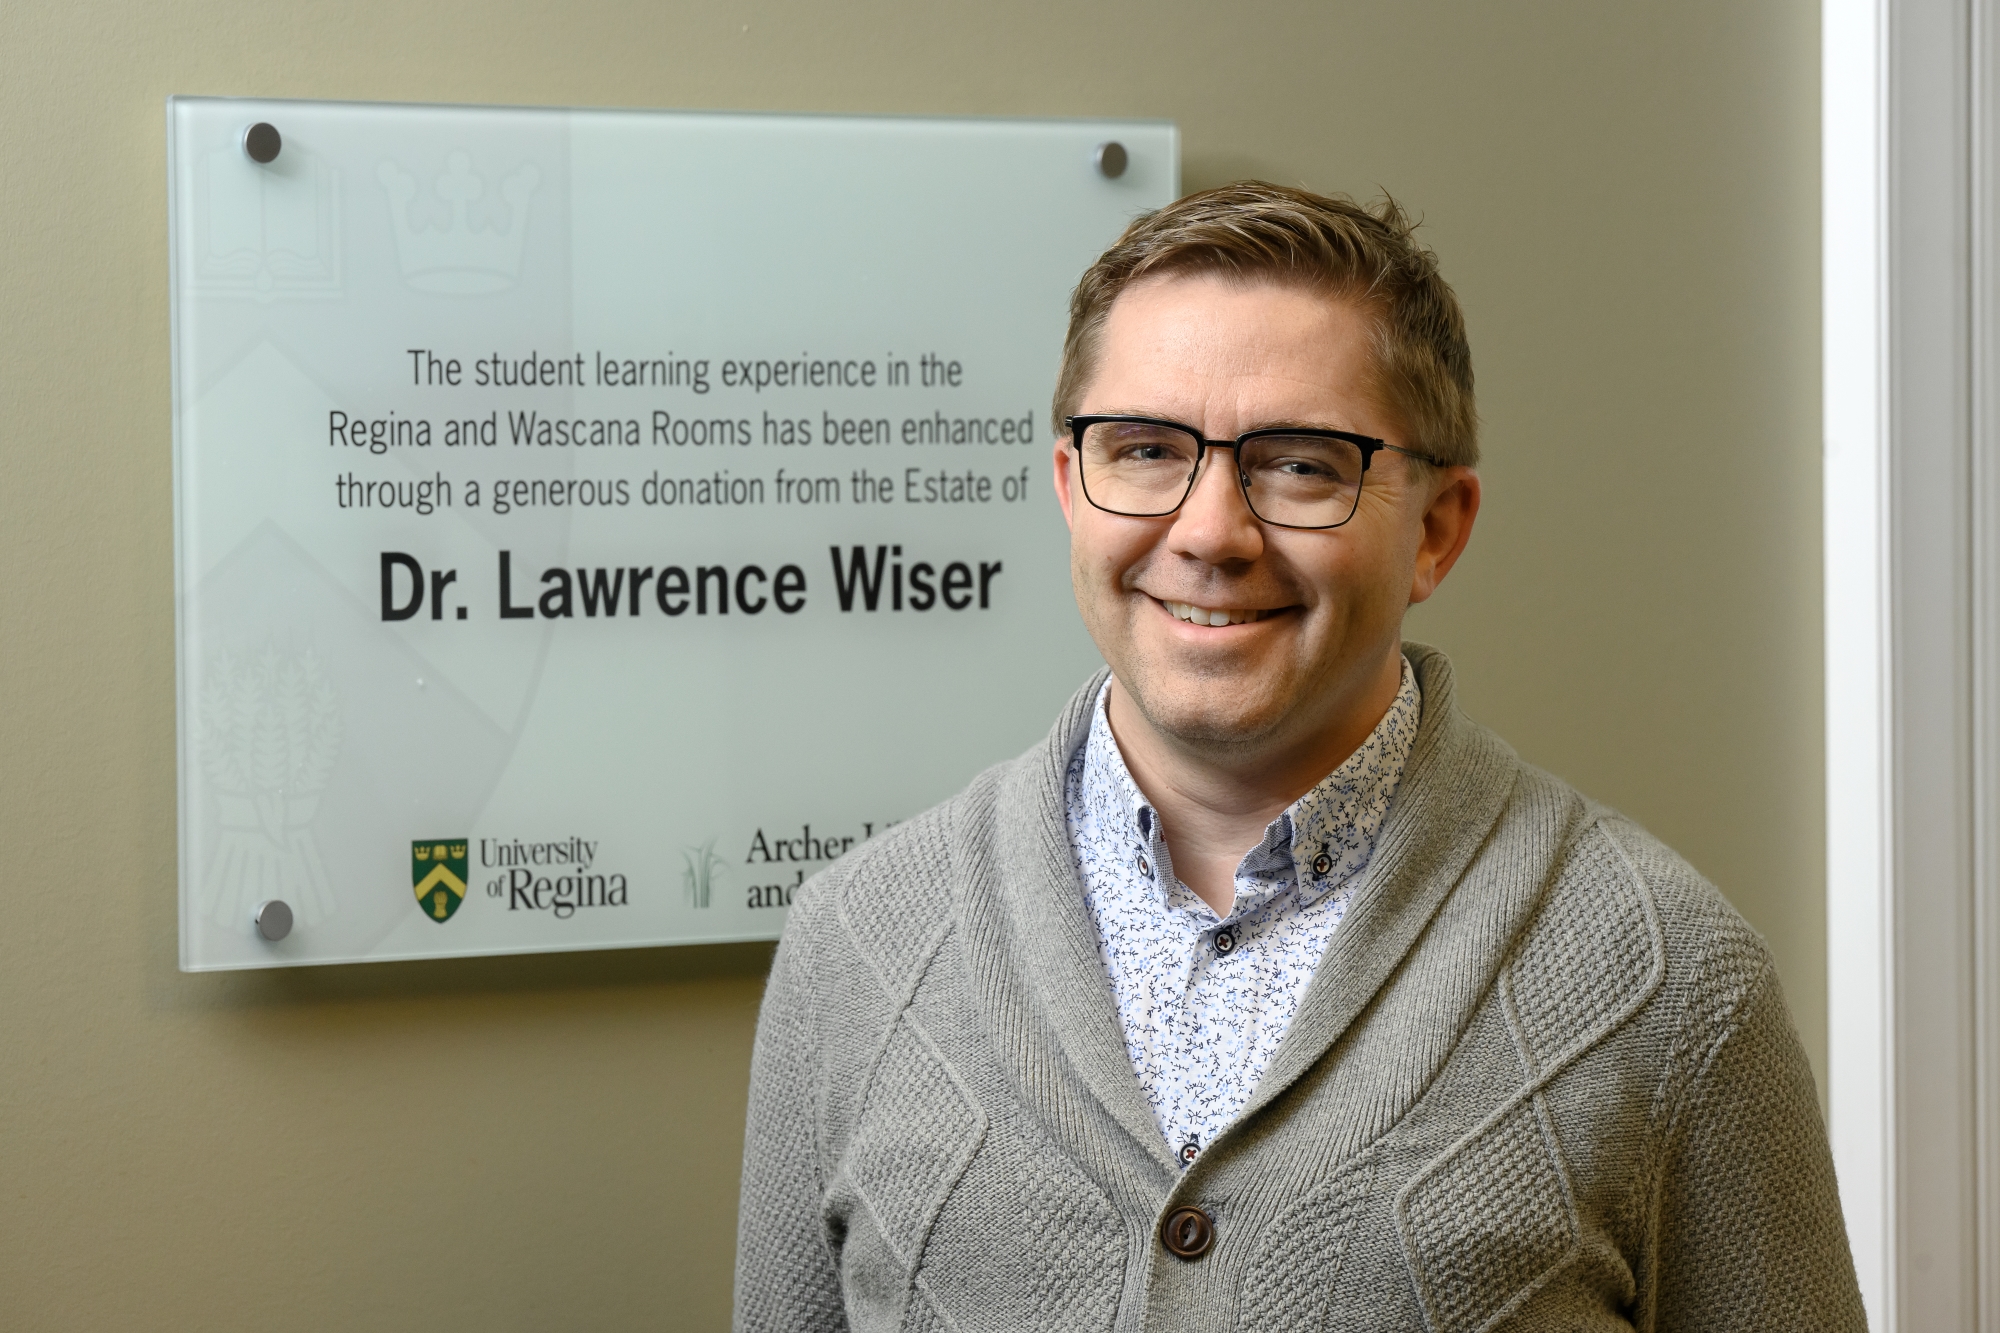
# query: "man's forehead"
{"type": "Point", "coordinates": [1281, 348]}
{"type": "Point", "coordinates": [1215, 316]}
{"type": "Point", "coordinates": [1196, 288]}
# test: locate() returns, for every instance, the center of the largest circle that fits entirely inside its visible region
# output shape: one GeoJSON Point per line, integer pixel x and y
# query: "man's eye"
{"type": "Point", "coordinates": [1298, 467]}
{"type": "Point", "coordinates": [1153, 450]}
{"type": "Point", "coordinates": [1305, 463]}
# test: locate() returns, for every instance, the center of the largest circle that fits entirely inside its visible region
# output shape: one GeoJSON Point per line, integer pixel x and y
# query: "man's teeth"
{"type": "Point", "coordinates": [1203, 615]}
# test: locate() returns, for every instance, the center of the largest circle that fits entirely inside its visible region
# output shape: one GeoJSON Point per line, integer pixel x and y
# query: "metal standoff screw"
{"type": "Point", "coordinates": [262, 141]}
{"type": "Point", "coordinates": [274, 919]}
{"type": "Point", "coordinates": [1110, 159]}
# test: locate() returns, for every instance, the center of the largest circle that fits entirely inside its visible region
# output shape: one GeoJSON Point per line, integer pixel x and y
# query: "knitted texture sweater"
{"type": "Point", "coordinates": [1543, 1079]}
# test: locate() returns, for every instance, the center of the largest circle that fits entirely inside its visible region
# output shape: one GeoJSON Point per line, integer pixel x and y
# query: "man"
{"type": "Point", "coordinates": [1270, 993]}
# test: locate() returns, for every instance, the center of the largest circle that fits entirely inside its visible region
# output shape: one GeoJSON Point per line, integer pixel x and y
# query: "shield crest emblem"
{"type": "Point", "coordinates": [437, 869]}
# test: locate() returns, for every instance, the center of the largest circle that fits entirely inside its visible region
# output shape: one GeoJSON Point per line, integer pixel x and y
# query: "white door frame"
{"type": "Point", "coordinates": [1912, 651]}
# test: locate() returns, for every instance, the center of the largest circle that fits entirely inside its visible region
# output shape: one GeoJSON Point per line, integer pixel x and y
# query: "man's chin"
{"type": "Point", "coordinates": [1208, 719]}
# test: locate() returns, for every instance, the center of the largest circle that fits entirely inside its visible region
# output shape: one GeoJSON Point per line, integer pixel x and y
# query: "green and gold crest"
{"type": "Point", "coordinates": [437, 868]}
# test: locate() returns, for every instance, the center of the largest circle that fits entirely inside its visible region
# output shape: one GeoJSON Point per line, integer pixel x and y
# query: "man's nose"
{"type": "Point", "coordinates": [1215, 524]}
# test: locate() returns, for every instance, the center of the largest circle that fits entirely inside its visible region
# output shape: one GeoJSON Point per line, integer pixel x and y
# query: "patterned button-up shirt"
{"type": "Point", "coordinates": [1205, 999]}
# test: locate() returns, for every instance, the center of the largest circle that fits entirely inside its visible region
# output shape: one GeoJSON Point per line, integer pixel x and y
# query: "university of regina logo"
{"type": "Point", "coordinates": [437, 868]}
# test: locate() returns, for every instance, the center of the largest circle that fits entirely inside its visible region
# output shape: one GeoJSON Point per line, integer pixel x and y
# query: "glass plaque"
{"type": "Point", "coordinates": [591, 523]}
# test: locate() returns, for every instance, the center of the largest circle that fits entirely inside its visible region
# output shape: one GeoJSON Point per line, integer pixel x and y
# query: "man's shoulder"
{"type": "Point", "coordinates": [1602, 872]}
{"type": "Point", "coordinates": [888, 899]}
{"type": "Point", "coordinates": [1715, 958]}
{"type": "Point", "coordinates": [1626, 924]}
{"type": "Point", "coordinates": [891, 897]}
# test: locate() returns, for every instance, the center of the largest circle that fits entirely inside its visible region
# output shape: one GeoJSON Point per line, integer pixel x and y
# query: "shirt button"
{"type": "Point", "coordinates": [1322, 863]}
{"type": "Point", "coordinates": [1189, 1151]}
{"type": "Point", "coordinates": [1145, 866]}
{"type": "Point", "coordinates": [1225, 941]}
{"type": "Point", "coordinates": [1187, 1233]}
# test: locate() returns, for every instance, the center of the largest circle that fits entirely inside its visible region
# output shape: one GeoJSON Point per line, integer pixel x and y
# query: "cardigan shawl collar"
{"type": "Point", "coordinates": [1454, 785]}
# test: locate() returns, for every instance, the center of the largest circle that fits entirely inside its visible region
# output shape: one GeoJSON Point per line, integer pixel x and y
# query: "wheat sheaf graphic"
{"type": "Point", "coordinates": [268, 737]}
{"type": "Point", "coordinates": [699, 877]}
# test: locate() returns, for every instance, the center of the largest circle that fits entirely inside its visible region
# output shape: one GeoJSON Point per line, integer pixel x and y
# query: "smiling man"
{"type": "Point", "coordinates": [1270, 992]}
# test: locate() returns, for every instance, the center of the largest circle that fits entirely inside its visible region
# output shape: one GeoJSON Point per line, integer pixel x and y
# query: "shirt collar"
{"type": "Point", "coordinates": [1315, 845]}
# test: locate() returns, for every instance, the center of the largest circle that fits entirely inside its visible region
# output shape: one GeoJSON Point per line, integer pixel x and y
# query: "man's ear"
{"type": "Point", "coordinates": [1065, 460]}
{"type": "Point", "coordinates": [1447, 520]}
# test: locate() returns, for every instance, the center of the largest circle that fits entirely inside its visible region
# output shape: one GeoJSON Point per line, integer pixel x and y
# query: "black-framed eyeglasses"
{"type": "Point", "coordinates": [1292, 476]}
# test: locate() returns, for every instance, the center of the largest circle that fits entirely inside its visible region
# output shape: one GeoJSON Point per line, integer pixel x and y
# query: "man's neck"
{"type": "Point", "coordinates": [1215, 805]}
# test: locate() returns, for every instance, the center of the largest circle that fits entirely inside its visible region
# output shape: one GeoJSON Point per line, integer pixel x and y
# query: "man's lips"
{"type": "Point", "coordinates": [1193, 614]}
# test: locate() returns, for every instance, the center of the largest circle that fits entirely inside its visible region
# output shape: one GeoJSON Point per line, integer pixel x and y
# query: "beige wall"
{"type": "Point", "coordinates": [1625, 195]}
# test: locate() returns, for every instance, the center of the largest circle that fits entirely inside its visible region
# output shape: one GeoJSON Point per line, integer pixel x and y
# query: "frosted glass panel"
{"type": "Point", "coordinates": [590, 523]}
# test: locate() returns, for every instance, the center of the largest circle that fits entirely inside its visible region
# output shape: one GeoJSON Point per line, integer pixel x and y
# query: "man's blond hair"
{"type": "Point", "coordinates": [1257, 231]}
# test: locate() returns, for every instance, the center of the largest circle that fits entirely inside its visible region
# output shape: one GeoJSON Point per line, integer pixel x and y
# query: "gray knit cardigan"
{"type": "Point", "coordinates": [1544, 1080]}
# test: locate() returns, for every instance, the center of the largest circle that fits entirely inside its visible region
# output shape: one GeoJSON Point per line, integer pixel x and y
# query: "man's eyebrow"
{"type": "Point", "coordinates": [1302, 424]}
{"type": "Point", "coordinates": [1279, 423]}
{"type": "Point", "coordinates": [1299, 423]}
{"type": "Point", "coordinates": [1150, 413]}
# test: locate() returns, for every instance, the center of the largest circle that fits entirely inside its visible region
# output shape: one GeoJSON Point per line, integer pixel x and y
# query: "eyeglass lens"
{"type": "Point", "coordinates": [1145, 471]}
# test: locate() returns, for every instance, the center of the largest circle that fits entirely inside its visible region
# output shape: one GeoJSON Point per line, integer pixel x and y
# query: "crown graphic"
{"type": "Point", "coordinates": [458, 258]}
